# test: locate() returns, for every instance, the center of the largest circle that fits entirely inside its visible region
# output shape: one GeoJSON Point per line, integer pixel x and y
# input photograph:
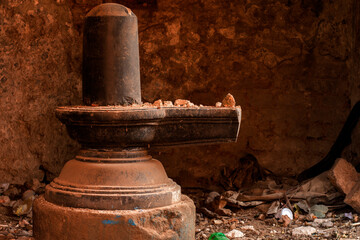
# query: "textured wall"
{"type": "Point", "coordinates": [39, 70]}
{"type": "Point", "coordinates": [289, 64]}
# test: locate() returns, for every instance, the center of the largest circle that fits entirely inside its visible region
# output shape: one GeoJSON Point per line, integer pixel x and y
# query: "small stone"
{"type": "Point", "coordinates": [307, 231]}
{"type": "Point", "coordinates": [235, 234]}
{"type": "Point", "coordinates": [4, 200]}
{"type": "Point", "coordinates": [147, 104]}
{"type": "Point", "coordinates": [217, 222]}
{"type": "Point", "coordinates": [168, 104]}
{"type": "Point", "coordinates": [261, 217]}
{"type": "Point", "coordinates": [158, 103]}
{"type": "Point", "coordinates": [218, 104]}
{"type": "Point", "coordinates": [228, 101]}
{"type": "Point", "coordinates": [181, 102]}
{"type": "Point", "coordinates": [250, 228]}
{"type": "Point", "coordinates": [12, 192]}
{"type": "Point", "coordinates": [4, 187]}
{"type": "Point", "coordinates": [232, 226]}
{"type": "Point", "coordinates": [224, 212]}
{"type": "Point", "coordinates": [28, 194]}
{"type": "Point", "coordinates": [325, 223]}
{"type": "Point", "coordinates": [190, 104]}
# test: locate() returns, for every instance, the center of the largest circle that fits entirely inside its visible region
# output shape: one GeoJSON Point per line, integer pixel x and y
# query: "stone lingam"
{"type": "Point", "coordinates": [114, 189]}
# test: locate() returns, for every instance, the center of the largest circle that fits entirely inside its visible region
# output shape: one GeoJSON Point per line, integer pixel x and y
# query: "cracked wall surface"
{"type": "Point", "coordinates": [291, 65]}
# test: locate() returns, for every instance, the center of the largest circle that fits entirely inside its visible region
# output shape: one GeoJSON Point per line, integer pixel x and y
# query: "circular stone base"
{"type": "Point", "coordinates": [53, 222]}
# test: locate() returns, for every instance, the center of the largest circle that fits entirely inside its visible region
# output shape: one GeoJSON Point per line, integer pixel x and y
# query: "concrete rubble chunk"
{"type": "Point", "coordinates": [343, 175]}
{"type": "Point", "coordinates": [307, 231]}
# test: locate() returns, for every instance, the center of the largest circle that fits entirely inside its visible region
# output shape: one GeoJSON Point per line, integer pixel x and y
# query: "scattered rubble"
{"type": "Point", "coordinates": [16, 209]}
{"type": "Point", "coordinates": [228, 101]}
{"type": "Point", "coordinates": [278, 208]}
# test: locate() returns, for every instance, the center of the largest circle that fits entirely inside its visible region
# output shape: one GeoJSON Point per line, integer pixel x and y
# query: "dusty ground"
{"type": "Point", "coordinates": [248, 222]}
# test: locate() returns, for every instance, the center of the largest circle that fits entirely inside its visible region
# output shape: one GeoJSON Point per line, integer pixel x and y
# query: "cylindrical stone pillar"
{"type": "Point", "coordinates": [111, 71]}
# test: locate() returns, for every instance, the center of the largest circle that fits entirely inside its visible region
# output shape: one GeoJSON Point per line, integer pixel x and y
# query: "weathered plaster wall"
{"type": "Point", "coordinates": [39, 70]}
{"type": "Point", "coordinates": [288, 64]}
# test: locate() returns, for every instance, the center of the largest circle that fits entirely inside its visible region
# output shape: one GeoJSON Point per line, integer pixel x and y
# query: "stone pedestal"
{"type": "Point", "coordinates": [173, 222]}
{"type": "Point", "coordinates": [113, 189]}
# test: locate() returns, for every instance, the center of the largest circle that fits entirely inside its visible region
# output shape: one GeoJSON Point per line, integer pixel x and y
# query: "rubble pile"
{"type": "Point", "coordinates": [228, 101]}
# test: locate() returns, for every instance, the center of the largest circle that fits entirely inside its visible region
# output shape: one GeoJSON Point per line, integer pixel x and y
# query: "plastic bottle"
{"type": "Point", "coordinates": [218, 236]}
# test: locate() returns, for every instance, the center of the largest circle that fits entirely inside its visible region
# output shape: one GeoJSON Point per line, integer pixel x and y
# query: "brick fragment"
{"type": "Point", "coordinates": [353, 197]}
{"type": "Point", "coordinates": [343, 175]}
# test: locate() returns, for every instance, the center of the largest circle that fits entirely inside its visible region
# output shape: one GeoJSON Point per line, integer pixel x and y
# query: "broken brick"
{"type": "Point", "coordinates": [353, 197]}
{"type": "Point", "coordinates": [343, 175]}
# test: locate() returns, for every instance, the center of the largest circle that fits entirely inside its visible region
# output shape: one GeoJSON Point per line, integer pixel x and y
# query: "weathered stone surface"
{"type": "Point", "coordinates": [343, 175]}
{"type": "Point", "coordinates": [53, 222]}
{"type": "Point", "coordinates": [292, 66]}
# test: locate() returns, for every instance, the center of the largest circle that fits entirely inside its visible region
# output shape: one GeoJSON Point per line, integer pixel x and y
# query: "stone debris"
{"type": "Point", "coordinates": [229, 101]}
{"type": "Point", "coordinates": [183, 103]}
{"type": "Point", "coordinates": [353, 198]}
{"type": "Point", "coordinates": [168, 104]}
{"type": "Point", "coordinates": [315, 206]}
{"type": "Point", "coordinates": [217, 222]}
{"type": "Point", "coordinates": [325, 223]}
{"type": "Point", "coordinates": [235, 234]}
{"type": "Point", "coordinates": [343, 175]}
{"type": "Point", "coordinates": [346, 179]}
{"type": "Point", "coordinates": [158, 103]}
{"type": "Point", "coordinates": [306, 231]}
{"type": "Point", "coordinates": [15, 209]}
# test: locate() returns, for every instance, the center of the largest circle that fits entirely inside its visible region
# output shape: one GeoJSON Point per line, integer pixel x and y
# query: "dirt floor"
{"type": "Point", "coordinates": [250, 222]}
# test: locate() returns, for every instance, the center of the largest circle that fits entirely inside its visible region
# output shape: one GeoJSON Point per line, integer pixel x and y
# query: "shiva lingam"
{"type": "Point", "coordinates": [114, 189]}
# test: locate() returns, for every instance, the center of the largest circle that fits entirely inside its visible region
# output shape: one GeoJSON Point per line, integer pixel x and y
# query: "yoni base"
{"type": "Point", "coordinates": [53, 222]}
